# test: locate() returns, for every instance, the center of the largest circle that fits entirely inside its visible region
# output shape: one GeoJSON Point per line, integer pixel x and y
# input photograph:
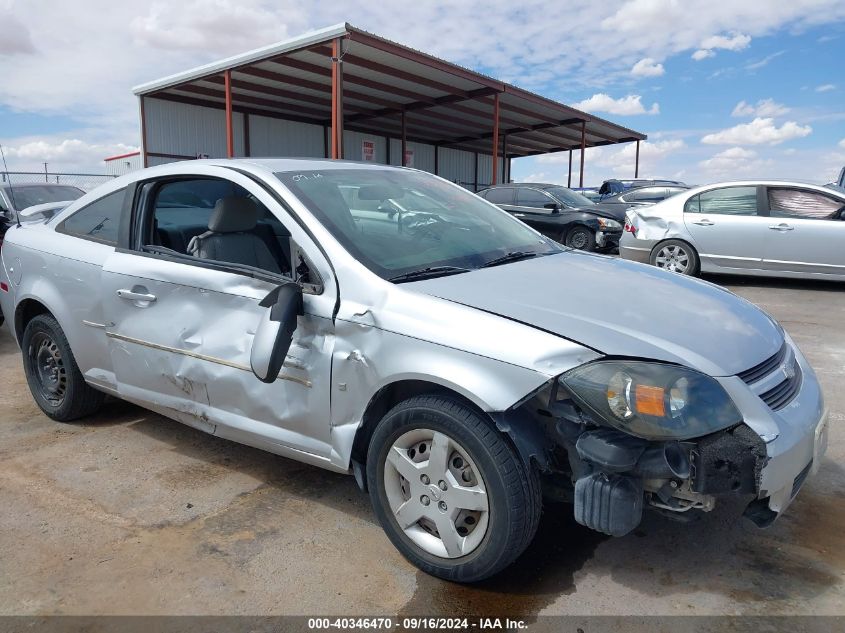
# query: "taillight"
{"type": "Point", "coordinates": [630, 228]}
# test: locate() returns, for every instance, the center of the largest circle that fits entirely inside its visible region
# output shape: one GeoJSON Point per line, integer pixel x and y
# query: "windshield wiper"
{"type": "Point", "coordinates": [428, 273]}
{"type": "Point", "coordinates": [510, 257]}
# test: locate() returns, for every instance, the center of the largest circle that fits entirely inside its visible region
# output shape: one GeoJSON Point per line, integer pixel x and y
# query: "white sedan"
{"type": "Point", "coordinates": [768, 228]}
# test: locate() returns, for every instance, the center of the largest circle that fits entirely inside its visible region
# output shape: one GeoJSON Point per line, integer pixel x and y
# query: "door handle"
{"type": "Point", "coordinates": [704, 223]}
{"type": "Point", "coordinates": [135, 296]}
{"type": "Point", "coordinates": [781, 227]}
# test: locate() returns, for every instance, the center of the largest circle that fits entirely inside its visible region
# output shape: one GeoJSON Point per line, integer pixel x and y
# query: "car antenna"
{"type": "Point", "coordinates": [11, 188]}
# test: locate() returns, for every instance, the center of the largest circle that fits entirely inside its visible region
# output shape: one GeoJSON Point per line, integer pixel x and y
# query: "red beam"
{"type": "Point", "coordinates": [495, 154]}
{"type": "Point", "coordinates": [145, 156]}
{"type": "Point", "coordinates": [583, 147]}
{"type": "Point", "coordinates": [637, 163]}
{"type": "Point", "coordinates": [337, 98]}
{"type": "Point", "coordinates": [230, 133]}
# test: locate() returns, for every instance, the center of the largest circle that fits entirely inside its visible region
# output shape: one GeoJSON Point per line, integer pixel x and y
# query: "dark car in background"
{"type": "Point", "coordinates": [616, 186]}
{"type": "Point", "coordinates": [560, 213]}
{"type": "Point", "coordinates": [642, 196]}
{"type": "Point", "coordinates": [14, 198]}
{"type": "Point", "coordinates": [590, 193]}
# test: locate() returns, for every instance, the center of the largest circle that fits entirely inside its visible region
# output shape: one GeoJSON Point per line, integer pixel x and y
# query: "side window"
{"type": "Point", "coordinates": [216, 220]}
{"type": "Point", "coordinates": [98, 221]}
{"type": "Point", "coordinates": [532, 198]}
{"type": "Point", "coordinates": [785, 202]}
{"type": "Point", "coordinates": [646, 194]}
{"type": "Point", "coordinates": [729, 201]}
{"type": "Point", "coordinates": [692, 205]}
{"type": "Point", "coordinates": [503, 195]}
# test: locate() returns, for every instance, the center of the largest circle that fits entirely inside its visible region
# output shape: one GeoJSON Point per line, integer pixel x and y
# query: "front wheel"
{"type": "Point", "coordinates": [581, 238]}
{"type": "Point", "coordinates": [675, 256]}
{"type": "Point", "coordinates": [451, 493]}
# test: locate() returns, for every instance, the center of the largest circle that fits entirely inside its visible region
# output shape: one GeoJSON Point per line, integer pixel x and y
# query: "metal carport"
{"type": "Point", "coordinates": [353, 84]}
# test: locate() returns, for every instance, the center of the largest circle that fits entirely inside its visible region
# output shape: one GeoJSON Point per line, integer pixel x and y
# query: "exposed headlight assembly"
{"type": "Point", "coordinates": [654, 401]}
{"type": "Point", "coordinates": [605, 223]}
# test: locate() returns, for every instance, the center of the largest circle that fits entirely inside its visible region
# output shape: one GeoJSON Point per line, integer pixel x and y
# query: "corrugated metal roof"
{"type": "Point", "coordinates": [443, 103]}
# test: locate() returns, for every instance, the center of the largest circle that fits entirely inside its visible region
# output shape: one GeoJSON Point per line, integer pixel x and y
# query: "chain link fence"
{"type": "Point", "coordinates": [86, 182]}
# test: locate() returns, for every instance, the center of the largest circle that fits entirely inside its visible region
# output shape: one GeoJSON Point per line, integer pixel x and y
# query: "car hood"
{"type": "Point", "coordinates": [611, 211]}
{"type": "Point", "coordinates": [621, 308]}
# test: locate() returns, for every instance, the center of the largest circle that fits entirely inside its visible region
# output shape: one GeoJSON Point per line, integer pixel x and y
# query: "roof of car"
{"type": "Point", "coordinates": [536, 185]}
{"type": "Point", "coordinates": [31, 185]}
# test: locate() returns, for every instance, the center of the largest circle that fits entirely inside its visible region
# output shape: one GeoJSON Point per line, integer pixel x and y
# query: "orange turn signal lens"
{"type": "Point", "coordinates": [650, 400]}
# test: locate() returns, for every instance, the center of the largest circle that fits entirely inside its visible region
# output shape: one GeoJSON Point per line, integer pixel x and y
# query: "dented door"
{"type": "Point", "coordinates": [180, 339]}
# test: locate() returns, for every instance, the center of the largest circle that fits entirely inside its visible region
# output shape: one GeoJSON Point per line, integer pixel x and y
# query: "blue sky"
{"type": "Point", "coordinates": [676, 70]}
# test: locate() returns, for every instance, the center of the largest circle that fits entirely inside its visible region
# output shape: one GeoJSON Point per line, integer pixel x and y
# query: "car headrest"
{"type": "Point", "coordinates": [232, 215]}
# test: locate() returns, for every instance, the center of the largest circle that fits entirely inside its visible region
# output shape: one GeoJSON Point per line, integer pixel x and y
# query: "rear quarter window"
{"type": "Point", "coordinates": [99, 221]}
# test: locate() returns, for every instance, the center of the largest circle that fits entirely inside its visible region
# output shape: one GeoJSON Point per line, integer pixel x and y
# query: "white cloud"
{"type": "Point", "coordinates": [763, 108]}
{"type": "Point", "coordinates": [825, 88]}
{"type": "Point", "coordinates": [733, 162]}
{"type": "Point", "coordinates": [735, 42]}
{"type": "Point", "coordinates": [763, 62]}
{"type": "Point", "coordinates": [624, 106]}
{"type": "Point", "coordinates": [761, 131]}
{"type": "Point", "coordinates": [842, 143]}
{"type": "Point", "coordinates": [647, 67]}
{"type": "Point", "coordinates": [61, 154]}
{"type": "Point", "coordinates": [14, 36]}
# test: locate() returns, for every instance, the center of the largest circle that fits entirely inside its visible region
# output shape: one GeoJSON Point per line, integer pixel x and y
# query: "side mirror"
{"type": "Point", "coordinates": [274, 335]}
{"type": "Point", "coordinates": [554, 206]}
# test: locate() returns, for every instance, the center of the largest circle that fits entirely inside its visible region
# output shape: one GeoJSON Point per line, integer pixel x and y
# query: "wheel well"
{"type": "Point", "coordinates": [25, 312]}
{"type": "Point", "coordinates": [388, 397]}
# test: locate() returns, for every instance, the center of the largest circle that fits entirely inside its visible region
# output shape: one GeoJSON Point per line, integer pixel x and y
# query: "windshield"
{"type": "Point", "coordinates": [30, 195]}
{"type": "Point", "coordinates": [570, 198]}
{"type": "Point", "coordinates": [396, 222]}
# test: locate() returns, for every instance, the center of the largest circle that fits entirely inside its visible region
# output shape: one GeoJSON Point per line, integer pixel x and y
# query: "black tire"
{"type": "Point", "coordinates": [685, 262]}
{"type": "Point", "coordinates": [53, 376]}
{"type": "Point", "coordinates": [513, 491]}
{"type": "Point", "coordinates": [581, 238]}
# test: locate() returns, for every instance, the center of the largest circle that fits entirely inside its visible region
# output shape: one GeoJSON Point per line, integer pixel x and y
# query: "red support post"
{"type": "Point", "coordinates": [637, 162]}
{"type": "Point", "coordinates": [583, 147]}
{"type": "Point", "coordinates": [404, 141]}
{"type": "Point", "coordinates": [495, 136]}
{"type": "Point", "coordinates": [144, 154]}
{"type": "Point", "coordinates": [504, 158]}
{"type": "Point", "coordinates": [337, 98]}
{"type": "Point", "coordinates": [230, 133]}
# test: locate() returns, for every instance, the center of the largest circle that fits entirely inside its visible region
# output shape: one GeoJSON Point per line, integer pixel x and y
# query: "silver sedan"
{"type": "Point", "coordinates": [768, 228]}
{"type": "Point", "coordinates": [452, 359]}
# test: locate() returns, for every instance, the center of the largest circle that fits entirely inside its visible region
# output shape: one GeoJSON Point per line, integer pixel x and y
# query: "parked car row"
{"type": "Point", "coordinates": [570, 218]}
{"type": "Point", "coordinates": [385, 323]}
{"type": "Point", "coordinates": [766, 228]}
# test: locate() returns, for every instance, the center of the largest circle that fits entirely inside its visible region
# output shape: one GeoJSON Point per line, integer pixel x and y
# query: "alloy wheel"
{"type": "Point", "coordinates": [436, 493]}
{"type": "Point", "coordinates": [673, 258]}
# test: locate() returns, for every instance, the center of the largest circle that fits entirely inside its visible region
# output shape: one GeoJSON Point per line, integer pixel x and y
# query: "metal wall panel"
{"type": "Point", "coordinates": [277, 137]}
{"type": "Point", "coordinates": [458, 166]}
{"type": "Point", "coordinates": [353, 143]}
{"type": "Point", "coordinates": [485, 170]}
{"type": "Point", "coordinates": [189, 130]}
{"type": "Point", "coordinates": [423, 154]}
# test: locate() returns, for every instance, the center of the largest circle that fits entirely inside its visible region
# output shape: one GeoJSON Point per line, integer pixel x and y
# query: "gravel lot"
{"type": "Point", "coordinates": [131, 513]}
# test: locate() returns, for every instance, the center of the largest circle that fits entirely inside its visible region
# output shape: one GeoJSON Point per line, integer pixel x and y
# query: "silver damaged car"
{"type": "Point", "coordinates": [386, 323]}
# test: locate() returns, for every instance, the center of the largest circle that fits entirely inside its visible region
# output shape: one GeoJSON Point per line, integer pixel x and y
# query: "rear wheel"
{"type": "Point", "coordinates": [449, 490]}
{"type": "Point", "coordinates": [675, 256]}
{"type": "Point", "coordinates": [51, 371]}
{"type": "Point", "coordinates": [581, 238]}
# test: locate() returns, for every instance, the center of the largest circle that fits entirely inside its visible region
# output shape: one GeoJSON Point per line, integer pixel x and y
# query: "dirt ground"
{"type": "Point", "coordinates": [131, 513]}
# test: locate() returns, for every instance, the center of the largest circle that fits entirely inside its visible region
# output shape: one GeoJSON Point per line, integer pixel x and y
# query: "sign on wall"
{"type": "Point", "coordinates": [409, 158]}
{"type": "Point", "coordinates": [368, 150]}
